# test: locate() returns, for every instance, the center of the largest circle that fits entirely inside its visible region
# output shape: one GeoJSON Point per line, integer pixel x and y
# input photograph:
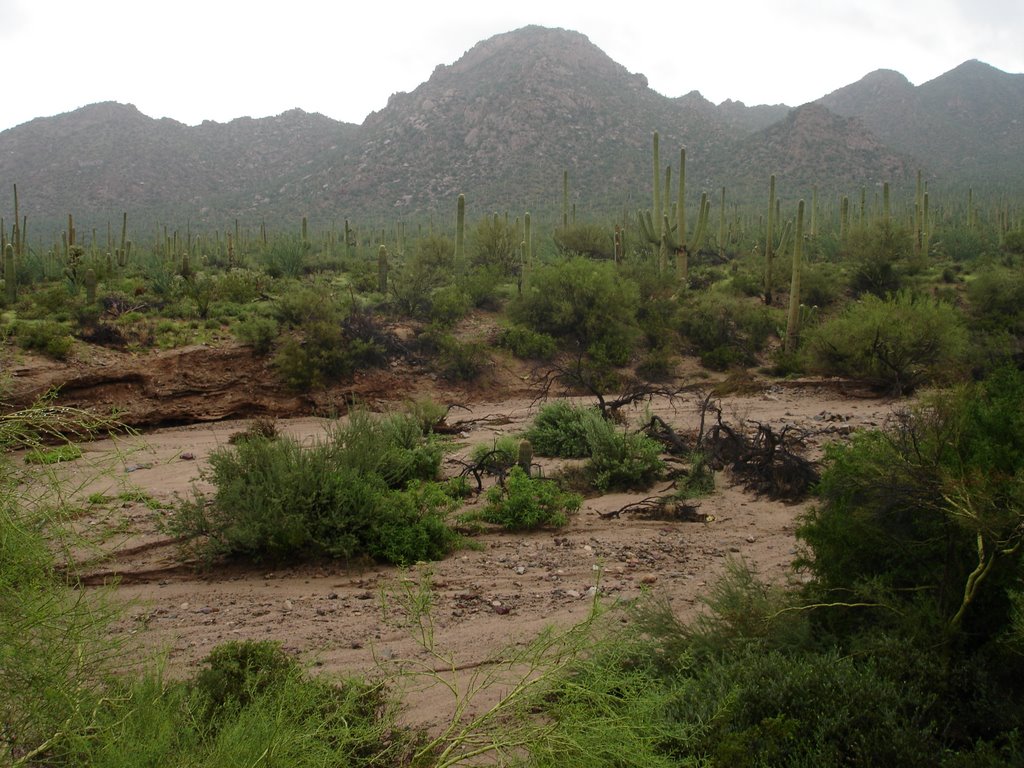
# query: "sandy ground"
{"type": "Point", "coordinates": [500, 593]}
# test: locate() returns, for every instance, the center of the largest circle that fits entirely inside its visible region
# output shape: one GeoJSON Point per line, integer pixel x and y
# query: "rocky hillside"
{"type": "Point", "coordinates": [501, 124]}
{"type": "Point", "coordinates": [968, 124]}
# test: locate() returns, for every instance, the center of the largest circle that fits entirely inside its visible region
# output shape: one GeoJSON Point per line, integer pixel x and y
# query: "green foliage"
{"type": "Point", "coordinates": [876, 254]}
{"type": "Point", "coordinates": [621, 460]}
{"type": "Point", "coordinates": [497, 457]}
{"type": "Point", "coordinates": [235, 673]}
{"type": "Point", "coordinates": [494, 244]}
{"type": "Point", "coordinates": [458, 360]}
{"type": "Point", "coordinates": [258, 332]}
{"type": "Point", "coordinates": [561, 429]}
{"type": "Point", "coordinates": [1013, 242]}
{"type": "Point", "coordinates": [901, 342]}
{"type": "Point", "coordinates": [421, 286]}
{"type": "Point", "coordinates": [55, 455]}
{"type": "Point", "coordinates": [915, 512]}
{"type": "Point", "coordinates": [996, 298]}
{"type": "Point", "coordinates": [588, 240]}
{"type": "Point", "coordinates": [250, 705]}
{"type": "Point", "coordinates": [47, 336]}
{"type": "Point", "coordinates": [359, 493]}
{"type": "Point", "coordinates": [527, 344]}
{"type": "Point", "coordinates": [726, 330]}
{"type": "Point", "coordinates": [584, 302]}
{"type": "Point", "coordinates": [525, 503]}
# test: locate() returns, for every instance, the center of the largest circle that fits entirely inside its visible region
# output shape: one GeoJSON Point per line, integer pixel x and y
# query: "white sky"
{"type": "Point", "coordinates": [193, 60]}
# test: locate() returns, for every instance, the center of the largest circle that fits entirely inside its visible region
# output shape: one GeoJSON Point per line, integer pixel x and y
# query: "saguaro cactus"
{"type": "Point", "coordinates": [89, 281]}
{"type": "Point", "coordinates": [793, 321]}
{"type": "Point", "coordinates": [525, 457]}
{"type": "Point", "coordinates": [382, 268]}
{"type": "Point", "coordinates": [10, 279]}
{"type": "Point", "coordinates": [460, 232]}
{"type": "Point", "coordinates": [656, 227]}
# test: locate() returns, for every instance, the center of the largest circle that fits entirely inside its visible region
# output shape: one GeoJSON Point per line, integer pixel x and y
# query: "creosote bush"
{"type": "Point", "coordinates": [901, 342]}
{"type": "Point", "coordinates": [526, 503]}
{"type": "Point", "coordinates": [560, 429]}
{"type": "Point", "coordinates": [366, 491]}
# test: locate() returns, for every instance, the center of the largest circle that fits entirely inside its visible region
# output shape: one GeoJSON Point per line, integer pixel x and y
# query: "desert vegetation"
{"type": "Point", "coordinates": [900, 644]}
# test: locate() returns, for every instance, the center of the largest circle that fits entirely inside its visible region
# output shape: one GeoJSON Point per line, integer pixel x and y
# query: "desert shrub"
{"type": "Point", "coordinates": [54, 455]}
{"type": "Point", "coordinates": [394, 447]}
{"type": "Point", "coordinates": [286, 256]}
{"type": "Point", "coordinates": [494, 244]}
{"type": "Point", "coordinates": [1013, 242]}
{"type": "Point", "coordinates": [587, 240]}
{"type": "Point", "coordinates": [497, 457]}
{"type": "Point", "coordinates": [235, 673]}
{"type": "Point", "coordinates": [584, 302]}
{"type": "Point", "coordinates": [46, 336]}
{"type": "Point", "coordinates": [725, 330]}
{"type": "Point", "coordinates": [485, 287]}
{"type": "Point", "coordinates": [353, 495]}
{"type": "Point", "coordinates": [258, 332]}
{"type": "Point", "coordinates": [448, 305]}
{"type": "Point", "coordinates": [996, 298]}
{"type": "Point", "coordinates": [249, 701]}
{"type": "Point", "coordinates": [527, 344]}
{"type": "Point", "coordinates": [329, 349]}
{"type": "Point", "coordinates": [306, 303]}
{"type": "Point", "coordinates": [960, 243]}
{"type": "Point", "coordinates": [919, 506]}
{"type": "Point", "coordinates": [429, 268]}
{"type": "Point", "coordinates": [459, 360]}
{"type": "Point", "coordinates": [901, 342]}
{"type": "Point", "coordinates": [621, 460]}
{"type": "Point", "coordinates": [525, 503]}
{"type": "Point", "coordinates": [657, 365]}
{"type": "Point", "coordinates": [821, 285]}
{"type": "Point", "coordinates": [560, 429]}
{"type": "Point", "coordinates": [875, 254]}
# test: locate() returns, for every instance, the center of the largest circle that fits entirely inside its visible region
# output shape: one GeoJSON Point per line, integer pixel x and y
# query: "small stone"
{"type": "Point", "coordinates": [502, 610]}
{"type": "Point", "coordinates": [187, 456]}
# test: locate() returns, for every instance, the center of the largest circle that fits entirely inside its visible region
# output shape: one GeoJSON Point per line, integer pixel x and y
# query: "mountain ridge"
{"type": "Point", "coordinates": [501, 124]}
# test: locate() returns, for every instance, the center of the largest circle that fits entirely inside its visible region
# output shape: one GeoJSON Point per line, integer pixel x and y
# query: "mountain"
{"type": "Point", "coordinates": [968, 124]}
{"type": "Point", "coordinates": [502, 124]}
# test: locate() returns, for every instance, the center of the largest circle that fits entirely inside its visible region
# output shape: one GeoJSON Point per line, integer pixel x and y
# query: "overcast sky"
{"type": "Point", "coordinates": [195, 60]}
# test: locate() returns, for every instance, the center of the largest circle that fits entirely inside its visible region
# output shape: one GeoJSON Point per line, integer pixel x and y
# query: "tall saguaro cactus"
{"type": "Point", "coordinates": [769, 244]}
{"type": "Point", "coordinates": [10, 279]}
{"type": "Point", "coordinates": [793, 321]}
{"type": "Point", "coordinates": [656, 227]}
{"type": "Point", "coordinates": [382, 269]}
{"type": "Point", "coordinates": [460, 233]}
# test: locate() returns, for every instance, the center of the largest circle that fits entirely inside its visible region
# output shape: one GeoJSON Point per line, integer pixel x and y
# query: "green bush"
{"type": "Point", "coordinates": [357, 494]}
{"type": "Point", "coordinates": [621, 460]}
{"type": "Point", "coordinates": [56, 455]}
{"type": "Point", "coordinates": [587, 240]}
{"type": "Point", "coordinates": [996, 298]}
{"type": "Point", "coordinates": [1013, 242]}
{"type": "Point", "coordinates": [494, 244]}
{"type": "Point", "coordinates": [726, 331]}
{"type": "Point", "coordinates": [258, 332]}
{"type": "Point", "coordinates": [251, 703]}
{"type": "Point", "coordinates": [47, 336]}
{"type": "Point", "coordinates": [525, 503]}
{"type": "Point", "coordinates": [913, 511]}
{"type": "Point", "coordinates": [877, 254]}
{"type": "Point", "coordinates": [584, 302]}
{"type": "Point", "coordinates": [901, 342]}
{"type": "Point", "coordinates": [560, 429]}
{"type": "Point", "coordinates": [527, 344]}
